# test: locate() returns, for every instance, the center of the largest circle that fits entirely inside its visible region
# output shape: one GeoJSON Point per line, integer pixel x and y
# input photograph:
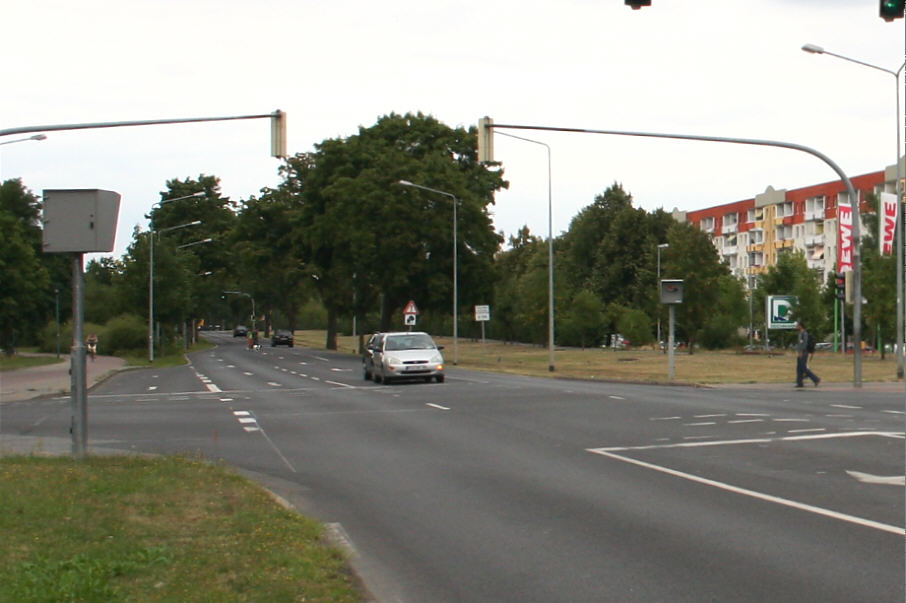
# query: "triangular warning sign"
{"type": "Point", "coordinates": [410, 308]}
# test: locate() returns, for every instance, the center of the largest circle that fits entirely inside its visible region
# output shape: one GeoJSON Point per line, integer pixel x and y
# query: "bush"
{"type": "Point", "coordinates": [125, 333]}
{"type": "Point", "coordinates": [48, 337]}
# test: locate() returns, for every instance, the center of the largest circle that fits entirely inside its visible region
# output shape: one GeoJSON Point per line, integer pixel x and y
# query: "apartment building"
{"type": "Point", "coordinates": [750, 235]}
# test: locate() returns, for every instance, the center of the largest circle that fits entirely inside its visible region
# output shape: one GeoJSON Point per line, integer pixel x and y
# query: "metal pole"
{"type": "Point", "coordinates": [79, 390]}
{"type": "Point", "coordinates": [856, 235]}
{"type": "Point", "coordinates": [455, 286]}
{"type": "Point", "coordinates": [455, 263]}
{"type": "Point", "coordinates": [671, 371]}
{"type": "Point", "coordinates": [151, 297]}
{"type": "Point", "coordinates": [550, 250]}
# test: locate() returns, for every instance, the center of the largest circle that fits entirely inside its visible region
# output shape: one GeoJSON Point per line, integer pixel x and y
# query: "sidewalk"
{"type": "Point", "coordinates": [53, 379]}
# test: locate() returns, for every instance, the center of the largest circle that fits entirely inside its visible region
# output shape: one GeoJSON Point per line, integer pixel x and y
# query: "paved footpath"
{"type": "Point", "coordinates": [53, 379]}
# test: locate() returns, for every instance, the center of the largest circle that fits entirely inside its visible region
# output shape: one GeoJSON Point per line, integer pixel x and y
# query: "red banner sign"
{"type": "Point", "coordinates": [845, 237]}
{"type": "Point", "coordinates": [888, 222]}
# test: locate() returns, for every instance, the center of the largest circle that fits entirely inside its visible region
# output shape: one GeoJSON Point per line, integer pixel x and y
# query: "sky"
{"type": "Point", "coordinates": [729, 68]}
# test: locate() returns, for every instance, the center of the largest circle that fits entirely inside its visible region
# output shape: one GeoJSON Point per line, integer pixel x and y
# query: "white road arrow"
{"type": "Point", "coordinates": [868, 478]}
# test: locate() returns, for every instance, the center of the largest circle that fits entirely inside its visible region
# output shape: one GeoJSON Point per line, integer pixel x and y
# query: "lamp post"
{"type": "Point", "coordinates": [815, 49]}
{"type": "Point", "coordinates": [151, 282]}
{"type": "Point", "coordinates": [35, 137]}
{"type": "Point", "coordinates": [550, 252]}
{"type": "Point", "coordinates": [151, 232]}
{"type": "Point", "coordinates": [455, 264]}
{"type": "Point", "coordinates": [659, 247]}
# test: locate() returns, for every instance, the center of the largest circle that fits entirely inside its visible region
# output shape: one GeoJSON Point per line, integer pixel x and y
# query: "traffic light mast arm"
{"type": "Point", "coordinates": [487, 124]}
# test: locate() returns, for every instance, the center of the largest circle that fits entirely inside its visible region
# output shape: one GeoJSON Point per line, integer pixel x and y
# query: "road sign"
{"type": "Point", "coordinates": [410, 308]}
{"type": "Point", "coordinates": [779, 311]}
{"type": "Point", "coordinates": [409, 320]}
{"type": "Point", "coordinates": [482, 313]}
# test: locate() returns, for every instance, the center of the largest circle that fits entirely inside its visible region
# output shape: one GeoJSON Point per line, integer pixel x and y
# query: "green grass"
{"type": "Point", "coordinates": [640, 365]}
{"type": "Point", "coordinates": [164, 529]}
{"type": "Point", "coordinates": [18, 361]}
{"type": "Point", "coordinates": [170, 358]}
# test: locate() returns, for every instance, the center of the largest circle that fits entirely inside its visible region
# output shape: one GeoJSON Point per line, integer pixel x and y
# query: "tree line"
{"type": "Point", "coordinates": [340, 242]}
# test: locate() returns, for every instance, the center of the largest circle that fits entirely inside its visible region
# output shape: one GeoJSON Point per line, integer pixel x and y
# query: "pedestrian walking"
{"type": "Point", "coordinates": [803, 351]}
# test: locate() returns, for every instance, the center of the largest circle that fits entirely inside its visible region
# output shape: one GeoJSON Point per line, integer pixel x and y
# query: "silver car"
{"type": "Point", "coordinates": [403, 355]}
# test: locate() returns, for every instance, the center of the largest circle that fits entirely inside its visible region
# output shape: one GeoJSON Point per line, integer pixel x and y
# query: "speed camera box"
{"type": "Point", "coordinates": [671, 291]}
{"type": "Point", "coordinates": [80, 220]}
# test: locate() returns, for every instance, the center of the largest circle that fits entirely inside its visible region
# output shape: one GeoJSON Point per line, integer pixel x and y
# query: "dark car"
{"type": "Point", "coordinates": [373, 344]}
{"type": "Point", "coordinates": [240, 331]}
{"type": "Point", "coordinates": [282, 337]}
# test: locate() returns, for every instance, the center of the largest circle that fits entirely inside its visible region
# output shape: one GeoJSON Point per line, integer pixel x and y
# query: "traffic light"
{"type": "Point", "coordinates": [485, 140]}
{"type": "Point", "coordinates": [637, 4]}
{"type": "Point", "coordinates": [278, 134]}
{"type": "Point", "coordinates": [892, 9]}
{"type": "Point", "coordinates": [840, 285]}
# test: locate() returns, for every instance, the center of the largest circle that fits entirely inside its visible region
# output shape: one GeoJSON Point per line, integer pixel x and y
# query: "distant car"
{"type": "Point", "coordinates": [282, 337]}
{"type": "Point", "coordinates": [403, 355]}
{"type": "Point", "coordinates": [240, 331]}
{"type": "Point", "coordinates": [824, 345]}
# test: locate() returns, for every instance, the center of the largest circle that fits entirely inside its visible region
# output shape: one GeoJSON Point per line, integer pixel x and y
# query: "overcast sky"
{"type": "Point", "coordinates": [729, 68]}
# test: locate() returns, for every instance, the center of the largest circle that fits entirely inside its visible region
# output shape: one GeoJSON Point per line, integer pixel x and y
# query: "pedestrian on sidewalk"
{"type": "Point", "coordinates": [802, 355]}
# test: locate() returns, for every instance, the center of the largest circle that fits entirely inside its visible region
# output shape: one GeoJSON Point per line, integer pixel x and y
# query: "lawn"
{"type": "Point", "coordinates": [127, 528]}
{"type": "Point", "coordinates": [641, 366]}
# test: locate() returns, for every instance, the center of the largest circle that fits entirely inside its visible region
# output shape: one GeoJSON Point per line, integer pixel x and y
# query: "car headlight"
{"type": "Point", "coordinates": [393, 360]}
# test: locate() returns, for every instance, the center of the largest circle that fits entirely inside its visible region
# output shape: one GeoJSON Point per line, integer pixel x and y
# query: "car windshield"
{"type": "Point", "coordinates": [416, 341]}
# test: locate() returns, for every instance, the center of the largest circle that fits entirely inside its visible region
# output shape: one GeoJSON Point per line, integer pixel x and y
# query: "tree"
{"type": "Point", "coordinates": [359, 230]}
{"type": "Point", "coordinates": [692, 258]}
{"type": "Point", "coordinates": [28, 275]}
{"type": "Point", "coordinates": [24, 280]}
{"type": "Point", "coordinates": [792, 276]}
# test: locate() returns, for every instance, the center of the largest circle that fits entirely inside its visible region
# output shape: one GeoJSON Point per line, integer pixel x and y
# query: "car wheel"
{"type": "Point", "coordinates": [385, 379]}
{"type": "Point", "coordinates": [439, 378]}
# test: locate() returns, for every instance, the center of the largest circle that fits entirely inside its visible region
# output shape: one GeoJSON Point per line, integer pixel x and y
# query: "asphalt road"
{"type": "Point", "coordinates": [500, 488]}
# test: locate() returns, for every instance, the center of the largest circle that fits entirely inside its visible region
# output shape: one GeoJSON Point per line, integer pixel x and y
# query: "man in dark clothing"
{"type": "Point", "coordinates": [802, 354]}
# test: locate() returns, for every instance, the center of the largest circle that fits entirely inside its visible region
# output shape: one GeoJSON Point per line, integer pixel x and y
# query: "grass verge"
{"type": "Point", "coordinates": [640, 366]}
{"type": "Point", "coordinates": [168, 529]}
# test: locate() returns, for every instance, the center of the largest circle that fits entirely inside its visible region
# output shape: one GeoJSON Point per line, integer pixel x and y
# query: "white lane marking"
{"type": "Point", "coordinates": [322, 359]}
{"type": "Point", "coordinates": [212, 388]}
{"type": "Point", "coordinates": [738, 421]}
{"type": "Point", "coordinates": [151, 388]}
{"type": "Point", "coordinates": [702, 424]}
{"type": "Point", "coordinates": [437, 406]}
{"type": "Point", "coordinates": [274, 384]}
{"type": "Point", "coordinates": [839, 416]}
{"type": "Point", "coordinates": [338, 384]}
{"type": "Point", "coordinates": [894, 412]}
{"type": "Point", "coordinates": [665, 418]}
{"type": "Point", "coordinates": [822, 436]}
{"type": "Point", "coordinates": [708, 416]}
{"type": "Point", "coordinates": [881, 480]}
{"type": "Point", "coordinates": [758, 495]}
{"type": "Point", "coordinates": [752, 414]}
{"type": "Point", "coordinates": [616, 397]}
{"type": "Point", "coordinates": [247, 374]}
{"type": "Point", "coordinates": [241, 413]}
{"type": "Point", "coordinates": [791, 420]}
{"type": "Point", "coordinates": [807, 430]}
{"type": "Point", "coordinates": [845, 406]}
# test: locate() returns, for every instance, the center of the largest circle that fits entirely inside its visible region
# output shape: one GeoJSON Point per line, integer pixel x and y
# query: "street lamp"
{"type": "Point", "coordinates": [815, 49]}
{"type": "Point", "coordinates": [151, 232]}
{"type": "Point", "coordinates": [550, 252]}
{"type": "Point", "coordinates": [659, 247]}
{"type": "Point", "coordinates": [455, 264]}
{"type": "Point", "coordinates": [151, 282]}
{"type": "Point", "coordinates": [35, 137]}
